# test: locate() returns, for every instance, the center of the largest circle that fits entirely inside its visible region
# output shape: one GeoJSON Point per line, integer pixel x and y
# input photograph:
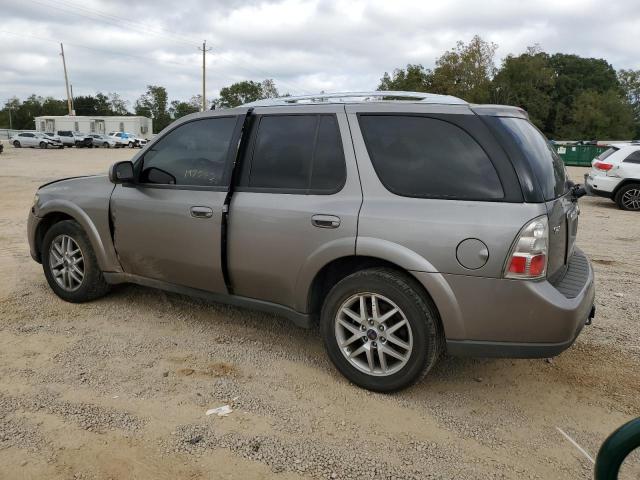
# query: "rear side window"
{"type": "Point", "coordinates": [547, 166]}
{"type": "Point", "coordinates": [634, 157]}
{"type": "Point", "coordinates": [426, 157]}
{"type": "Point", "coordinates": [606, 153]}
{"type": "Point", "coordinates": [195, 153]}
{"type": "Point", "coordinates": [299, 153]}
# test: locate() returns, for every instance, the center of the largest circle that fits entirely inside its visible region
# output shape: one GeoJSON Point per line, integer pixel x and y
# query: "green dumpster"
{"type": "Point", "coordinates": [579, 155]}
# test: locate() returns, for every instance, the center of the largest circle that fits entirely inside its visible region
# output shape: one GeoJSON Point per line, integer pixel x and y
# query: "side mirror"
{"type": "Point", "coordinates": [578, 191]}
{"type": "Point", "coordinates": [615, 450]}
{"type": "Point", "coordinates": [121, 172]}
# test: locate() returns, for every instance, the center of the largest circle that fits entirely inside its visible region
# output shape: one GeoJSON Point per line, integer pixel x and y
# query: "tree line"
{"type": "Point", "coordinates": [566, 96]}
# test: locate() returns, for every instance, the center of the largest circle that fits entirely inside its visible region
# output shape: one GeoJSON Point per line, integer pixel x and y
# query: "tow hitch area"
{"type": "Point", "coordinates": [592, 314]}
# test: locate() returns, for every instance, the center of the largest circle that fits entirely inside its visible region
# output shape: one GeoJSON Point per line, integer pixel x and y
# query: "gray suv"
{"type": "Point", "coordinates": [403, 225]}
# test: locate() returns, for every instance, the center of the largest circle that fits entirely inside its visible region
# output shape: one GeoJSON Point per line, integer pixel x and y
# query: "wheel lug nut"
{"type": "Point", "coordinates": [365, 339]}
{"type": "Point", "coordinates": [381, 328]}
{"type": "Point", "coordinates": [363, 328]}
{"type": "Point", "coordinates": [374, 344]}
{"type": "Point", "coordinates": [371, 322]}
{"type": "Point", "coordinates": [382, 339]}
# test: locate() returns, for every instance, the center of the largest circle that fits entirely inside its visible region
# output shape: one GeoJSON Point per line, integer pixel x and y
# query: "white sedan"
{"type": "Point", "coordinates": [615, 174]}
{"type": "Point", "coordinates": [34, 139]}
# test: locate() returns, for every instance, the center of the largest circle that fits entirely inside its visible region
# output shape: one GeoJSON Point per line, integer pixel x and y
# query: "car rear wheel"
{"type": "Point", "coordinates": [380, 330]}
{"type": "Point", "coordinates": [628, 197]}
{"type": "Point", "coordinates": [70, 264]}
{"type": "Point", "coordinates": [17, 144]}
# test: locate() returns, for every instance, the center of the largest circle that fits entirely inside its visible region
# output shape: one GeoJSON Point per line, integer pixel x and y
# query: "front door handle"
{"type": "Point", "coordinates": [201, 212]}
{"type": "Point", "coordinates": [325, 221]}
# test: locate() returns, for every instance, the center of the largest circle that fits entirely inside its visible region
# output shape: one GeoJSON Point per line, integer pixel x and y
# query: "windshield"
{"type": "Point", "coordinates": [547, 166]}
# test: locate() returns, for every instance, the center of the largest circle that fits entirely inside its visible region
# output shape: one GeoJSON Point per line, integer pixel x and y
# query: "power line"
{"type": "Point", "coordinates": [72, 8]}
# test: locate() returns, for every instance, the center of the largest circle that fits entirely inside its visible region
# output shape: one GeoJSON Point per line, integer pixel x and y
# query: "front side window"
{"type": "Point", "coordinates": [418, 156]}
{"type": "Point", "coordinates": [298, 152]}
{"type": "Point", "coordinates": [194, 153]}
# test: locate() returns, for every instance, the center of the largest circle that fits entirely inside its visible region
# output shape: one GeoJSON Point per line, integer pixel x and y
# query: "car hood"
{"type": "Point", "coordinates": [88, 193]}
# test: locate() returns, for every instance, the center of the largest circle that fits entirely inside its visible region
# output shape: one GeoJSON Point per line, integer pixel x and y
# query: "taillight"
{"type": "Point", "coordinates": [528, 257]}
{"type": "Point", "coordinates": [602, 166]}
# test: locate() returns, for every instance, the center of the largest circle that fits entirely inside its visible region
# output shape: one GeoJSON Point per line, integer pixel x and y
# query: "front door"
{"type": "Point", "coordinates": [167, 226]}
{"type": "Point", "coordinates": [297, 203]}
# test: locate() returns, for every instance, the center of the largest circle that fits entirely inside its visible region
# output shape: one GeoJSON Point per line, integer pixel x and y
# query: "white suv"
{"type": "Point", "coordinates": [615, 174]}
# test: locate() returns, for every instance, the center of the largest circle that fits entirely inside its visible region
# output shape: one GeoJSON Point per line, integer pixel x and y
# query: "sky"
{"type": "Point", "coordinates": [305, 46]}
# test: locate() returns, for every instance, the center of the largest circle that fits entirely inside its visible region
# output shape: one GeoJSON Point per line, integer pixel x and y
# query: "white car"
{"type": "Point", "coordinates": [34, 139]}
{"type": "Point", "coordinates": [100, 140]}
{"type": "Point", "coordinates": [123, 139]}
{"type": "Point", "coordinates": [615, 174]}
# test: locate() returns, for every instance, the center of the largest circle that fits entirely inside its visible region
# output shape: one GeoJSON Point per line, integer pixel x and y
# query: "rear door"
{"type": "Point", "coordinates": [167, 225]}
{"type": "Point", "coordinates": [296, 205]}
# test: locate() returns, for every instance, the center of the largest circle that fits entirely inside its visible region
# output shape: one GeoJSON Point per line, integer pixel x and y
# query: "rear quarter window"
{"type": "Point", "coordinates": [417, 156]}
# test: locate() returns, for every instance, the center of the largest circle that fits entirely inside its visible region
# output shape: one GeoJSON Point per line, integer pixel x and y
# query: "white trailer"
{"type": "Point", "coordinates": [138, 126]}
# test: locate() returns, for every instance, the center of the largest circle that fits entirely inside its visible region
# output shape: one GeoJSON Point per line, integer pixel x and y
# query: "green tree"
{"type": "Point", "coordinates": [574, 75]}
{"type": "Point", "coordinates": [526, 81]}
{"type": "Point", "coordinates": [466, 71]}
{"type": "Point", "coordinates": [596, 115]}
{"type": "Point", "coordinates": [92, 105]}
{"type": "Point", "coordinates": [117, 104]}
{"type": "Point", "coordinates": [630, 83]}
{"type": "Point", "coordinates": [245, 92]}
{"type": "Point", "coordinates": [153, 103]}
{"type": "Point", "coordinates": [415, 78]}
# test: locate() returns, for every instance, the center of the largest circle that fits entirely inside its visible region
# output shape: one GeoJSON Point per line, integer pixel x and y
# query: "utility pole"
{"type": "Point", "coordinates": [204, 50]}
{"type": "Point", "coordinates": [73, 107]}
{"type": "Point", "coordinates": [66, 80]}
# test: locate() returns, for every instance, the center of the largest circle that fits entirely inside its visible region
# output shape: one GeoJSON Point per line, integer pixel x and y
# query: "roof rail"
{"type": "Point", "coordinates": [351, 97]}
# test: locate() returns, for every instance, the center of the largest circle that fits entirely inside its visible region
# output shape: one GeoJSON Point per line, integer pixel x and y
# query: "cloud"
{"type": "Point", "coordinates": [304, 45]}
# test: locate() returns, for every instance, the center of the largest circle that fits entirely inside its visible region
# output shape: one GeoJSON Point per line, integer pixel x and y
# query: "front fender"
{"type": "Point", "coordinates": [97, 231]}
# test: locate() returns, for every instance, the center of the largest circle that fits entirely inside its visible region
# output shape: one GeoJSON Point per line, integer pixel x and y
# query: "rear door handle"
{"type": "Point", "coordinates": [201, 212]}
{"type": "Point", "coordinates": [325, 221]}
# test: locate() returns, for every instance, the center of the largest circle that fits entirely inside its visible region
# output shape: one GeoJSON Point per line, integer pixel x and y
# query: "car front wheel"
{"type": "Point", "coordinates": [380, 330]}
{"type": "Point", "coordinates": [70, 264]}
{"type": "Point", "coordinates": [628, 197]}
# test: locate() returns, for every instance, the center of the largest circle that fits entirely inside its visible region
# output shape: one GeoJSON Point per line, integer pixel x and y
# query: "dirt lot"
{"type": "Point", "coordinates": [118, 388]}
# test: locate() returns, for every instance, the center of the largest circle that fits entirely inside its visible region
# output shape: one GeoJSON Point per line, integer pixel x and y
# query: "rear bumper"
{"type": "Point", "coordinates": [518, 318]}
{"type": "Point", "coordinates": [601, 185]}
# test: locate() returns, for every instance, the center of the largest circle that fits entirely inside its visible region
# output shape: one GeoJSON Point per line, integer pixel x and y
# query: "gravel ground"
{"type": "Point", "coordinates": [118, 388]}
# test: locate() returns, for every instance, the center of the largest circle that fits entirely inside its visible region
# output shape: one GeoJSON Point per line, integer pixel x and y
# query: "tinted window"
{"type": "Point", "coordinates": [634, 157]}
{"type": "Point", "coordinates": [425, 157]}
{"type": "Point", "coordinates": [298, 152]}
{"type": "Point", "coordinates": [328, 161]}
{"type": "Point", "coordinates": [195, 153]}
{"type": "Point", "coordinates": [547, 166]}
{"type": "Point", "coordinates": [606, 153]}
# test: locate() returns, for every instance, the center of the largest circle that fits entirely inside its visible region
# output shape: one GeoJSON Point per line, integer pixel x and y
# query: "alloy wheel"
{"type": "Point", "coordinates": [373, 334]}
{"type": "Point", "coordinates": [66, 262]}
{"type": "Point", "coordinates": [631, 199]}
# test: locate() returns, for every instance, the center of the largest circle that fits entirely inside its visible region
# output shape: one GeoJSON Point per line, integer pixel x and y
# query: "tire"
{"type": "Point", "coordinates": [17, 144]}
{"type": "Point", "coordinates": [92, 284]}
{"type": "Point", "coordinates": [131, 145]}
{"type": "Point", "coordinates": [44, 144]}
{"type": "Point", "coordinates": [422, 331]}
{"type": "Point", "coordinates": [105, 145]}
{"type": "Point", "coordinates": [628, 197]}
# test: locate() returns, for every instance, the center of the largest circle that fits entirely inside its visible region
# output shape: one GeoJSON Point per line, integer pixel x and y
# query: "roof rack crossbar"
{"type": "Point", "coordinates": [344, 97]}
